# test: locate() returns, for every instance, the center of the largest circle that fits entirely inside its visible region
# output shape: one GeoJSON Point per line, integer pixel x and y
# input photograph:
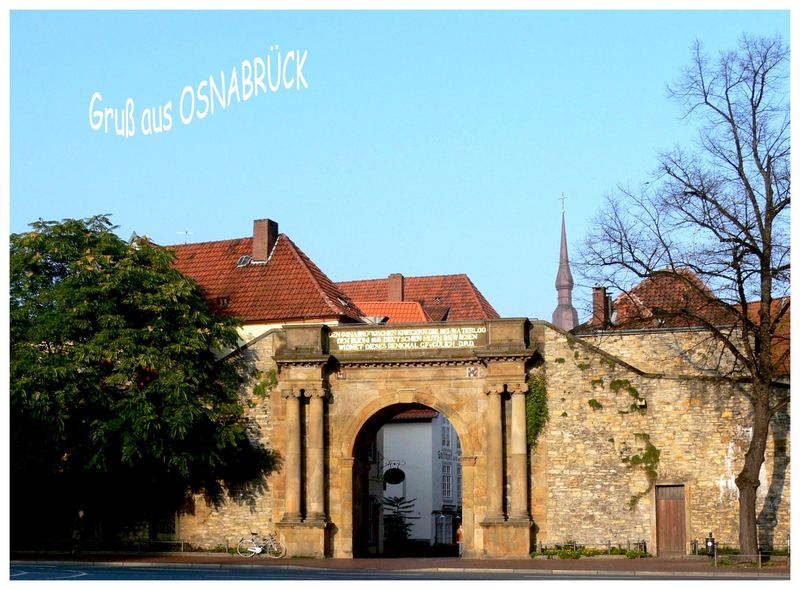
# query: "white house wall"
{"type": "Point", "coordinates": [411, 443]}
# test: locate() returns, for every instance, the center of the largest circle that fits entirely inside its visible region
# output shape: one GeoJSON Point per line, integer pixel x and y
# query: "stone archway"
{"type": "Point", "coordinates": [372, 454]}
{"type": "Point", "coordinates": [329, 390]}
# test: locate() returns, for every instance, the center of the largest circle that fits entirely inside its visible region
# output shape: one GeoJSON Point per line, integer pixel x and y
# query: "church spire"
{"type": "Point", "coordinates": [565, 315]}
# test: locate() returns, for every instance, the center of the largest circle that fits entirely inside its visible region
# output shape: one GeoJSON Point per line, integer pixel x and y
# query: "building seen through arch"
{"type": "Point", "coordinates": [413, 459]}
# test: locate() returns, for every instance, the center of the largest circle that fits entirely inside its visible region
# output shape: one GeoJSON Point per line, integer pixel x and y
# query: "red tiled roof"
{"type": "Point", "coordinates": [398, 312]}
{"type": "Point", "coordinates": [437, 313]}
{"type": "Point", "coordinates": [678, 294]}
{"type": "Point", "coordinates": [454, 291]}
{"type": "Point", "coordinates": [415, 414]}
{"type": "Point", "coordinates": [289, 286]}
{"type": "Point", "coordinates": [781, 342]}
{"type": "Point", "coordinates": [677, 297]}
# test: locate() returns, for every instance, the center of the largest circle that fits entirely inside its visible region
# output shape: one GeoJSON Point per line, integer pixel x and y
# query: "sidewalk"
{"type": "Point", "coordinates": [586, 566]}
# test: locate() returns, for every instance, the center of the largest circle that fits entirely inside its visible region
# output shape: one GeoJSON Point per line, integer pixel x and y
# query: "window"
{"type": "Point", "coordinates": [458, 481]}
{"type": "Point", "coordinates": [372, 452]}
{"type": "Point", "coordinates": [447, 480]}
{"type": "Point", "coordinates": [446, 435]}
{"type": "Point", "coordinates": [444, 528]}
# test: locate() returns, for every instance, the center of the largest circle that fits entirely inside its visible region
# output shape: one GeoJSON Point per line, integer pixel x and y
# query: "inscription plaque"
{"type": "Point", "coordinates": [407, 338]}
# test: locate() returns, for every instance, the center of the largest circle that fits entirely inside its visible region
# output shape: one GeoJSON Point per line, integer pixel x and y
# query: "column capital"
{"type": "Point", "coordinates": [315, 391]}
{"type": "Point", "coordinates": [517, 388]}
{"type": "Point", "coordinates": [494, 388]}
{"type": "Point", "coordinates": [299, 390]}
{"type": "Point", "coordinates": [468, 460]}
{"type": "Point", "coordinates": [288, 392]}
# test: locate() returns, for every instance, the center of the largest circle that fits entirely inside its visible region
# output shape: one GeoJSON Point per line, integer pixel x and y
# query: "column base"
{"type": "Point", "coordinates": [292, 518]}
{"type": "Point", "coordinates": [304, 539]}
{"type": "Point", "coordinates": [493, 519]}
{"type": "Point", "coordinates": [507, 539]}
{"type": "Point", "coordinates": [316, 518]}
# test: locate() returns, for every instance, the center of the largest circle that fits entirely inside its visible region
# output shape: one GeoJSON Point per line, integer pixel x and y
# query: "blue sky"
{"type": "Point", "coordinates": [425, 142]}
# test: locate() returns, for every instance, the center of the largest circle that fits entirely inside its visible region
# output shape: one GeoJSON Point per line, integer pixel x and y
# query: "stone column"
{"type": "Point", "coordinates": [494, 456]}
{"type": "Point", "coordinates": [291, 465]}
{"type": "Point", "coordinates": [519, 460]}
{"type": "Point", "coordinates": [315, 456]}
{"type": "Point", "coordinates": [343, 545]}
{"type": "Point", "coordinates": [468, 505]}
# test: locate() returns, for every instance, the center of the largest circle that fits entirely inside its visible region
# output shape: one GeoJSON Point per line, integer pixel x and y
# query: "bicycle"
{"type": "Point", "coordinates": [256, 544]}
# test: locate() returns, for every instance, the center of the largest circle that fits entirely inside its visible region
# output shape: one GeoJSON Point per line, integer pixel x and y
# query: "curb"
{"type": "Point", "coordinates": [604, 573]}
{"type": "Point", "coordinates": [518, 571]}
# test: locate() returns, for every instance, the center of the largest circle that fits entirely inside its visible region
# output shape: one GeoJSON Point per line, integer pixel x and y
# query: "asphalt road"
{"type": "Point", "coordinates": [23, 571]}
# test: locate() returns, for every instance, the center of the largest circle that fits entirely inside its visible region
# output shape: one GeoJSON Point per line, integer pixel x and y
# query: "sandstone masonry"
{"type": "Point", "coordinates": [615, 404]}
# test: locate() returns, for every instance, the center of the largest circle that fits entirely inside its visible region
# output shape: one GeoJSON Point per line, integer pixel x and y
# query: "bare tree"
{"type": "Point", "coordinates": [719, 213]}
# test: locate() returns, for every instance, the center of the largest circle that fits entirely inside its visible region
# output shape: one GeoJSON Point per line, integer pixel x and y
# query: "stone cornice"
{"type": "Point", "coordinates": [429, 357]}
{"type": "Point", "coordinates": [376, 362]}
{"type": "Point", "coordinates": [499, 354]}
{"type": "Point", "coordinates": [303, 360]}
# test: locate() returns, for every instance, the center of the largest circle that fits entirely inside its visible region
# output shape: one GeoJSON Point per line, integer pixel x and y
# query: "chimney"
{"type": "Point", "coordinates": [395, 287]}
{"type": "Point", "coordinates": [599, 307]}
{"type": "Point", "coordinates": [265, 233]}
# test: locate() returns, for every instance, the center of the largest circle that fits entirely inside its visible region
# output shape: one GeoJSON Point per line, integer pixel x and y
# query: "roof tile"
{"type": "Point", "coordinates": [398, 312]}
{"type": "Point", "coordinates": [454, 291]}
{"type": "Point", "coordinates": [679, 296]}
{"type": "Point", "coordinates": [289, 286]}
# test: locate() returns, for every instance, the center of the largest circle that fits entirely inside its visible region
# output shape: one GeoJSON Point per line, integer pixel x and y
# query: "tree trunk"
{"type": "Point", "coordinates": [748, 479]}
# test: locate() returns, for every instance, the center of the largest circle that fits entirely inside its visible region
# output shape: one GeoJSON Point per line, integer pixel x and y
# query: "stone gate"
{"type": "Point", "coordinates": [333, 380]}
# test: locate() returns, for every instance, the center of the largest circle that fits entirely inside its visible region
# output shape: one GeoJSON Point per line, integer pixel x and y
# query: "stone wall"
{"type": "Point", "coordinates": [250, 509]}
{"type": "Point", "coordinates": [585, 484]}
{"type": "Point", "coordinates": [686, 352]}
{"type": "Point", "coordinates": [602, 416]}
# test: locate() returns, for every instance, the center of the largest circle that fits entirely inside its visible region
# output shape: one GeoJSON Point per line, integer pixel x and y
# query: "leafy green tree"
{"type": "Point", "coordinates": [119, 404]}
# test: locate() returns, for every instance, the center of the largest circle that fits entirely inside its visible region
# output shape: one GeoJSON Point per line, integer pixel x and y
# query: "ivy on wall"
{"type": "Point", "coordinates": [639, 403]}
{"type": "Point", "coordinates": [648, 460]}
{"type": "Point", "coordinates": [536, 414]}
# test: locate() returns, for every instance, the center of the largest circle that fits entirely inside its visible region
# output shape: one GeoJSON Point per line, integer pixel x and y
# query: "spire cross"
{"type": "Point", "coordinates": [562, 199]}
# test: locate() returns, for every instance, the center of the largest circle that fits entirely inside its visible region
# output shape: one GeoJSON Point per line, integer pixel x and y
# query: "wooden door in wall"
{"type": "Point", "coordinates": [670, 520]}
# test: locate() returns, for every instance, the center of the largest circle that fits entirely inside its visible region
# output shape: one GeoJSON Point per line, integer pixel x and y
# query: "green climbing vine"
{"type": "Point", "coordinates": [595, 405]}
{"type": "Point", "coordinates": [639, 403]}
{"type": "Point", "coordinates": [648, 460]}
{"type": "Point", "coordinates": [536, 414]}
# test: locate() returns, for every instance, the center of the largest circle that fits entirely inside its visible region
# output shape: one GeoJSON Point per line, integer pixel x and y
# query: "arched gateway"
{"type": "Point", "coordinates": [334, 380]}
{"type": "Point", "coordinates": [406, 450]}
